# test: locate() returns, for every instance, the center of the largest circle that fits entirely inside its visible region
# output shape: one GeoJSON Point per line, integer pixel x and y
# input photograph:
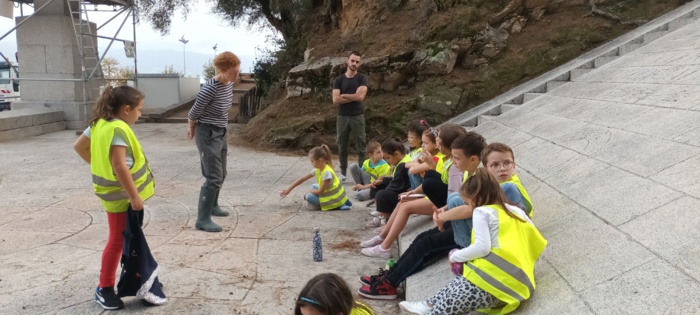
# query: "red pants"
{"type": "Point", "coordinates": [113, 249]}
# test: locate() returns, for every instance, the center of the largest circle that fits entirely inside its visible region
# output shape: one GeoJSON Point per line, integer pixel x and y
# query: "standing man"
{"type": "Point", "coordinates": [349, 91]}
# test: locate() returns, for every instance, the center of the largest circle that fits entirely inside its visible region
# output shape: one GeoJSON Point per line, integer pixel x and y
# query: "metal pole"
{"type": "Point", "coordinates": [99, 61]}
{"type": "Point", "coordinates": [25, 20]}
{"type": "Point", "coordinates": [133, 22]}
{"type": "Point", "coordinates": [184, 61]}
{"type": "Point", "coordinates": [112, 18]}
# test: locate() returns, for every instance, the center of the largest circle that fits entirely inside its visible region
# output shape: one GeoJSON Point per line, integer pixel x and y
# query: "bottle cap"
{"type": "Point", "coordinates": [316, 229]}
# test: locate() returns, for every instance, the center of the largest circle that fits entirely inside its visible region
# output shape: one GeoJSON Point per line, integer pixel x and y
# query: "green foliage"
{"type": "Point", "coordinates": [171, 70]}
{"type": "Point", "coordinates": [272, 64]}
{"type": "Point", "coordinates": [208, 71]}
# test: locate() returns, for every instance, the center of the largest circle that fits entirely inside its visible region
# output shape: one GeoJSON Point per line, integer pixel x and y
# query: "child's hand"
{"type": "Point", "coordinates": [437, 221]}
{"type": "Point", "coordinates": [284, 192]}
{"type": "Point", "coordinates": [428, 159]}
{"type": "Point", "coordinates": [136, 203]}
{"type": "Point", "coordinates": [377, 182]}
{"type": "Point", "coordinates": [356, 187]}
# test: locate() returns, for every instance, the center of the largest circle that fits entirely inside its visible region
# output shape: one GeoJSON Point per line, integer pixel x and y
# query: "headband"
{"type": "Point", "coordinates": [305, 299]}
{"type": "Point", "coordinates": [434, 131]}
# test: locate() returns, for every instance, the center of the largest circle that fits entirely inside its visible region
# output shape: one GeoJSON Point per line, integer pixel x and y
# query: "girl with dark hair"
{"type": "Point", "coordinates": [499, 264]}
{"type": "Point", "coordinates": [328, 294]}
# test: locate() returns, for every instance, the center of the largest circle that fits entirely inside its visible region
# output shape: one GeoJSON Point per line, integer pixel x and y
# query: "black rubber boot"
{"type": "Point", "coordinates": [216, 210]}
{"type": "Point", "coordinates": [207, 197]}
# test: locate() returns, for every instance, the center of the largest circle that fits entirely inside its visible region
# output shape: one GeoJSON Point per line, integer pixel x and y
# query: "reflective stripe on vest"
{"type": "Point", "coordinates": [334, 196]}
{"type": "Point", "coordinates": [528, 203]}
{"type": "Point", "coordinates": [377, 171]}
{"type": "Point", "coordinates": [112, 195]}
{"type": "Point", "coordinates": [507, 272]}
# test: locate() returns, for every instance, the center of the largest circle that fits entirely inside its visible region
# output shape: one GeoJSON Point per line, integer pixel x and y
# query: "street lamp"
{"type": "Point", "coordinates": [184, 63]}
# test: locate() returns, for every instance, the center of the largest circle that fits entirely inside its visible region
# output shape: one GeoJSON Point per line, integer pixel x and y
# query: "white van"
{"type": "Point", "coordinates": [9, 84]}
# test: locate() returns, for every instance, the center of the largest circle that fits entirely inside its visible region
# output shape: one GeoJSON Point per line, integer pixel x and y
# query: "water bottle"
{"type": "Point", "coordinates": [318, 248]}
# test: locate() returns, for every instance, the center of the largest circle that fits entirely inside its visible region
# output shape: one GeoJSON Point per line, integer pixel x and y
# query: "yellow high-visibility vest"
{"type": "Point", "coordinates": [415, 154]}
{"type": "Point", "coordinates": [507, 272]}
{"type": "Point", "coordinates": [111, 193]}
{"type": "Point", "coordinates": [528, 203]}
{"type": "Point", "coordinates": [440, 162]}
{"type": "Point", "coordinates": [361, 309]}
{"type": "Point", "coordinates": [334, 196]}
{"type": "Point", "coordinates": [445, 172]}
{"type": "Point", "coordinates": [376, 172]}
{"type": "Point", "coordinates": [404, 160]}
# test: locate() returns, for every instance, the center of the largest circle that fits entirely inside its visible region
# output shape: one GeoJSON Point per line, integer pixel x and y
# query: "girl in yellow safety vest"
{"type": "Point", "coordinates": [499, 265]}
{"type": "Point", "coordinates": [328, 192]}
{"type": "Point", "coordinates": [328, 294]}
{"type": "Point", "coordinates": [120, 173]}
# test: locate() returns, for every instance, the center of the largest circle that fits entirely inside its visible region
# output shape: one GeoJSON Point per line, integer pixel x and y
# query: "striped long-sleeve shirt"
{"type": "Point", "coordinates": [213, 103]}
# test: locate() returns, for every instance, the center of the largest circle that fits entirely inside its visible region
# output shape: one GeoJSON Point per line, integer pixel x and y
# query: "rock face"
{"type": "Point", "coordinates": [392, 72]}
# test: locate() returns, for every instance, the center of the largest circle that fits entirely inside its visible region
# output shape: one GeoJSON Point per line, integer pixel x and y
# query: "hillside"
{"type": "Point", "coordinates": [433, 59]}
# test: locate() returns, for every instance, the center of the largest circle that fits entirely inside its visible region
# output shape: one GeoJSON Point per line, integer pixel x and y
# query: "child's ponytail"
{"type": "Point", "coordinates": [112, 99]}
{"type": "Point", "coordinates": [323, 152]}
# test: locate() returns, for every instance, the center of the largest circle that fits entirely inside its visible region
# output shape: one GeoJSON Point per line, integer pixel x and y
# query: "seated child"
{"type": "Point", "coordinates": [328, 193]}
{"type": "Point", "coordinates": [429, 149]}
{"type": "Point", "coordinates": [500, 162]}
{"type": "Point", "coordinates": [498, 266]}
{"type": "Point", "coordinates": [372, 169]}
{"type": "Point", "coordinates": [414, 136]}
{"type": "Point", "coordinates": [386, 199]}
{"type": "Point", "coordinates": [328, 293]}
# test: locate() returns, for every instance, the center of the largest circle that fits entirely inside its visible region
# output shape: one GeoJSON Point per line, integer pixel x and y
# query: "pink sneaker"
{"type": "Point", "coordinates": [372, 242]}
{"type": "Point", "coordinates": [377, 251]}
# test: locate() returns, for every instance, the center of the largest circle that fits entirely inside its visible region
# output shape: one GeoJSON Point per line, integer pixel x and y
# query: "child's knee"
{"type": "Point", "coordinates": [455, 202]}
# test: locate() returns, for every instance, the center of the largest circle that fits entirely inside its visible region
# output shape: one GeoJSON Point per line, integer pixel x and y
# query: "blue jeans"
{"type": "Point", "coordinates": [415, 179]}
{"type": "Point", "coordinates": [462, 228]}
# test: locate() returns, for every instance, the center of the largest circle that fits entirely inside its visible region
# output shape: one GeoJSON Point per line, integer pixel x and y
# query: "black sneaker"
{"type": "Point", "coordinates": [108, 299]}
{"type": "Point", "coordinates": [368, 280]}
{"type": "Point", "coordinates": [381, 290]}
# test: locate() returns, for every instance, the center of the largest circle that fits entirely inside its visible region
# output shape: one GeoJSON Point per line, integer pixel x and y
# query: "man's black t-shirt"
{"type": "Point", "coordinates": [349, 86]}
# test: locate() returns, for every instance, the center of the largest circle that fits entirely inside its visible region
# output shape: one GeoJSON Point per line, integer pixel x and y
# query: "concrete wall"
{"type": "Point", "coordinates": [163, 90]}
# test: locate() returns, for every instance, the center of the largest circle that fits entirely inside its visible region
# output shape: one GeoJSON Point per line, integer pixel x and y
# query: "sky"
{"type": "Point", "coordinates": [202, 28]}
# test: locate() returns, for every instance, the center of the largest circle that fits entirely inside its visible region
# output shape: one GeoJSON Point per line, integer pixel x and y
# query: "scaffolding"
{"type": "Point", "coordinates": [90, 58]}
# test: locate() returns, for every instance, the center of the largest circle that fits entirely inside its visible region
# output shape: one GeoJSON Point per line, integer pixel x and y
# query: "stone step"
{"type": "Point", "coordinates": [485, 118]}
{"type": "Point", "coordinates": [650, 37]}
{"type": "Point", "coordinates": [507, 107]}
{"type": "Point", "coordinates": [674, 25]}
{"type": "Point", "coordinates": [600, 61]}
{"type": "Point", "coordinates": [531, 96]}
{"type": "Point", "coordinates": [628, 48]}
{"type": "Point", "coordinates": [20, 118]}
{"type": "Point", "coordinates": [516, 101]}
{"type": "Point", "coordinates": [551, 85]}
{"type": "Point", "coordinates": [577, 73]}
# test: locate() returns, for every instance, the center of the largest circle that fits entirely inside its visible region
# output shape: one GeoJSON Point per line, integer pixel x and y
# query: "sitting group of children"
{"type": "Point", "coordinates": [481, 216]}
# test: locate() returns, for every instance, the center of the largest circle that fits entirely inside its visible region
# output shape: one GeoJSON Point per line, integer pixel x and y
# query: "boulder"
{"type": "Point", "coordinates": [393, 81]}
{"type": "Point", "coordinates": [438, 59]}
{"type": "Point", "coordinates": [442, 101]}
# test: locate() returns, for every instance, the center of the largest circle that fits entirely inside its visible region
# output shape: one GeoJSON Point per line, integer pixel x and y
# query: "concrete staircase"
{"type": "Point", "coordinates": [579, 67]}
{"type": "Point", "coordinates": [22, 123]}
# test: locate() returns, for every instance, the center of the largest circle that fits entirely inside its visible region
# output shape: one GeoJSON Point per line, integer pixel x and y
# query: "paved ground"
{"type": "Point", "coordinates": [52, 231]}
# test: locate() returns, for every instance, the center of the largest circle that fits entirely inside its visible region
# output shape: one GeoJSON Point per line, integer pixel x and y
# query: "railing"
{"type": "Point", "coordinates": [249, 105]}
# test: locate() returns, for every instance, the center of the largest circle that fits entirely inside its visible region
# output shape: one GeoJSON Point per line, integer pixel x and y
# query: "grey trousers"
{"type": "Point", "coordinates": [362, 178]}
{"type": "Point", "coordinates": [213, 148]}
{"type": "Point", "coordinates": [350, 126]}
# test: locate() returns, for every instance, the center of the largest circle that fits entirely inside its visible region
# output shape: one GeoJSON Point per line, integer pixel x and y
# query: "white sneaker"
{"type": "Point", "coordinates": [376, 222]}
{"type": "Point", "coordinates": [372, 242]}
{"type": "Point", "coordinates": [377, 251]}
{"type": "Point", "coordinates": [342, 177]}
{"type": "Point", "coordinates": [374, 213]}
{"type": "Point", "coordinates": [416, 307]}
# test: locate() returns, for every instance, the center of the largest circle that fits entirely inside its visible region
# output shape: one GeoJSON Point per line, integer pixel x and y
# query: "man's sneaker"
{"type": "Point", "coordinates": [377, 251]}
{"type": "Point", "coordinates": [108, 299]}
{"type": "Point", "coordinates": [372, 242]}
{"type": "Point", "coordinates": [418, 307]}
{"type": "Point", "coordinates": [376, 222]}
{"type": "Point", "coordinates": [380, 290]}
{"type": "Point", "coordinates": [368, 280]}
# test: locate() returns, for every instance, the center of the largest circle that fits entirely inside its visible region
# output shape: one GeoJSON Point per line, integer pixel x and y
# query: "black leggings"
{"type": "Point", "coordinates": [386, 201]}
{"type": "Point", "coordinates": [426, 246]}
{"type": "Point", "coordinates": [434, 188]}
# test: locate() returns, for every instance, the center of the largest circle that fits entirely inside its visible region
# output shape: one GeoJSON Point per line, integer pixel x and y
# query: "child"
{"type": "Point", "coordinates": [498, 266]}
{"type": "Point", "coordinates": [500, 162]}
{"type": "Point", "coordinates": [436, 190]}
{"type": "Point", "coordinates": [120, 174]}
{"type": "Point", "coordinates": [372, 169]}
{"type": "Point", "coordinates": [429, 149]}
{"type": "Point", "coordinates": [327, 193]}
{"type": "Point", "coordinates": [327, 293]}
{"type": "Point", "coordinates": [414, 134]}
{"type": "Point", "coordinates": [386, 199]}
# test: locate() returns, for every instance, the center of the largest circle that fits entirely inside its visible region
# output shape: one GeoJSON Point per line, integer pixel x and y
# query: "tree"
{"type": "Point", "coordinates": [209, 71]}
{"type": "Point", "coordinates": [114, 73]}
{"type": "Point", "coordinates": [170, 70]}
